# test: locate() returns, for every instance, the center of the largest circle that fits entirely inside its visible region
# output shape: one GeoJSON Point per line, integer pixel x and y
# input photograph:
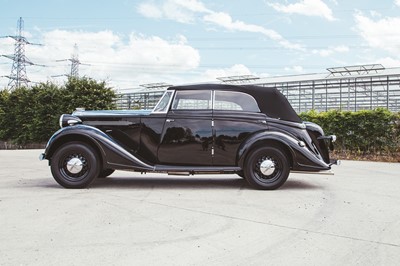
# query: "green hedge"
{"type": "Point", "coordinates": [366, 131]}
{"type": "Point", "coordinates": [30, 115]}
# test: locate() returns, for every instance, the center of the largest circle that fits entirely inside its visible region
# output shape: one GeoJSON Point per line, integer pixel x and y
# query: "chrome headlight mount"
{"type": "Point", "coordinates": [69, 120]}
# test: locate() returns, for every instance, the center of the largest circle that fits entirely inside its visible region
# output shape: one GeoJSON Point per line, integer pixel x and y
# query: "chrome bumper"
{"type": "Point", "coordinates": [335, 162]}
{"type": "Point", "coordinates": [330, 137]}
{"type": "Point", "coordinates": [329, 140]}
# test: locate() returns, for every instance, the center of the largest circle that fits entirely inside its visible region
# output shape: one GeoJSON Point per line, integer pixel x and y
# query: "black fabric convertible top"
{"type": "Point", "coordinates": [270, 100]}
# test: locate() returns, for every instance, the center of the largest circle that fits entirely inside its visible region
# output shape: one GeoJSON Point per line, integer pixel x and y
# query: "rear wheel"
{"type": "Point", "coordinates": [267, 168]}
{"type": "Point", "coordinates": [75, 165]}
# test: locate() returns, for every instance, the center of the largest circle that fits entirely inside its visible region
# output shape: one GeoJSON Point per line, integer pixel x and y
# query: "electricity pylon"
{"type": "Point", "coordinates": [74, 63]}
{"type": "Point", "coordinates": [18, 77]}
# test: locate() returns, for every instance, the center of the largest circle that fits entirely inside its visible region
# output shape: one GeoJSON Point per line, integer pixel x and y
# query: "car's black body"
{"type": "Point", "coordinates": [211, 128]}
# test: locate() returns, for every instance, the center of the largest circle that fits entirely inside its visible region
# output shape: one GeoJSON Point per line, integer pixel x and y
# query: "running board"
{"type": "Point", "coordinates": [190, 170]}
{"type": "Point", "coordinates": [323, 172]}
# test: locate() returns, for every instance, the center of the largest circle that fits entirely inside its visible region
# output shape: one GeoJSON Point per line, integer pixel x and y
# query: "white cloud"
{"type": "Point", "coordinates": [382, 33]}
{"type": "Point", "coordinates": [235, 70]}
{"type": "Point", "coordinates": [6, 48]}
{"type": "Point", "coordinates": [192, 5]}
{"type": "Point", "coordinates": [388, 62]}
{"type": "Point", "coordinates": [397, 2]}
{"type": "Point", "coordinates": [295, 69]}
{"type": "Point", "coordinates": [150, 10]}
{"type": "Point", "coordinates": [315, 8]}
{"type": "Point", "coordinates": [375, 14]}
{"type": "Point", "coordinates": [187, 11]}
{"type": "Point", "coordinates": [125, 63]}
{"type": "Point", "coordinates": [331, 50]}
{"type": "Point", "coordinates": [183, 11]}
{"type": "Point", "coordinates": [225, 20]}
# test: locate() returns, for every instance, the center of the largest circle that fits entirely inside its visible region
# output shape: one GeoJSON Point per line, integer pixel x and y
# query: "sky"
{"type": "Point", "coordinates": [129, 43]}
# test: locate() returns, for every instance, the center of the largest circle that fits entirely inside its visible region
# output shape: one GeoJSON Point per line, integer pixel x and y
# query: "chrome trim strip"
{"type": "Point", "coordinates": [288, 123]}
{"type": "Point", "coordinates": [112, 113]}
{"type": "Point", "coordinates": [213, 99]}
{"type": "Point", "coordinates": [108, 123]}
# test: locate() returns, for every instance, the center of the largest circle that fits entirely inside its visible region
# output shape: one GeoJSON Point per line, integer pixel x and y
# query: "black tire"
{"type": "Point", "coordinates": [106, 172]}
{"type": "Point", "coordinates": [75, 165]}
{"type": "Point", "coordinates": [267, 168]}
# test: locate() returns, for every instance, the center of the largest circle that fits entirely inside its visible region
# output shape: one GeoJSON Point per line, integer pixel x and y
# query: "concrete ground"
{"type": "Point", "coordinates": [351, 218]}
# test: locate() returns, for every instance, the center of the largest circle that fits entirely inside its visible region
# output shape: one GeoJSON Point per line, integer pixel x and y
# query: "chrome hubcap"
{"type": "Point", "coordinates": [74, 165]}
{"type": "Point", "coordinates": [267, 167]}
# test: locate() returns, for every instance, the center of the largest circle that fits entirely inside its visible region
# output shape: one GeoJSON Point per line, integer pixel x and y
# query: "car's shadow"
{"type": "Point", "coordinates": [189, 183]}
{"type": "Point", "coordinates": [170, 183]}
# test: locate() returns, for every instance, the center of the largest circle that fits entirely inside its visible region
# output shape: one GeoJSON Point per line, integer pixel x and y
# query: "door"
{"type": "Point", "coordinates": [187, 133]}
{"type": "Point", "coordinates": [236, 116]}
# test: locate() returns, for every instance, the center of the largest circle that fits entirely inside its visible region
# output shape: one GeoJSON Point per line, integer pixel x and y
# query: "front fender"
{"type": "Point", "coordinates": [302, 157]}
{"type": "Point", "coordinates": [114, 155]}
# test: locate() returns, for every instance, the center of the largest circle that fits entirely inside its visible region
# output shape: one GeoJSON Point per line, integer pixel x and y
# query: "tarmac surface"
{"type": "Point", "coordinates": [351, 218]}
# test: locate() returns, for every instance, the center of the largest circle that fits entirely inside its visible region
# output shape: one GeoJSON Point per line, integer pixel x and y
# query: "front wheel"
{"type": "Point", "coordinates": [75, 165]}
{"type": "Point", "coordinates": [267, 168]}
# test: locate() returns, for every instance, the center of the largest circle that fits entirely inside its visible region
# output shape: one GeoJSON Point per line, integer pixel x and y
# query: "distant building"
{"type": "Point", "coordinates": [350, 88]}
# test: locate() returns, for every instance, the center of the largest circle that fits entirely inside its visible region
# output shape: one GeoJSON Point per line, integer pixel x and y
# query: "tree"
{"type": "Point", "coordinates": [4, 95]}
{"type": "Point", "coordinates": [87, 93]}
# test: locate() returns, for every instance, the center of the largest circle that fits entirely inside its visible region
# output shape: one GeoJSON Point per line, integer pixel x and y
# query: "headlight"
{"type": "Point", "coordinates": [69, 120]}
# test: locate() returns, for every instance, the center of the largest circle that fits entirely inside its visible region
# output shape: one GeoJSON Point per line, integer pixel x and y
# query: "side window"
{"type": "Point", "coordinates": [235, 101]}
{"type": "Point", "coordinates": [192, 100]}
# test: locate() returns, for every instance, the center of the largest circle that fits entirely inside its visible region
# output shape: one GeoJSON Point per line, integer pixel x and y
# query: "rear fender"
{"type": "Point", "coordinates": [301, 157]}
{"type": "Point", "coordinates": [113, 155]}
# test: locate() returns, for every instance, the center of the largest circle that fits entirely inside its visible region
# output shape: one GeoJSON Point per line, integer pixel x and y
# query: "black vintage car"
{"type": "Point", "coordinates": [196, 129]}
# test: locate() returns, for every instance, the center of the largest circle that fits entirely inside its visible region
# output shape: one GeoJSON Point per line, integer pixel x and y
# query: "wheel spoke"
{"type": "Point", "coordinates": [264, 166]}
{"type": "Point", "coordinates": [74, 167]}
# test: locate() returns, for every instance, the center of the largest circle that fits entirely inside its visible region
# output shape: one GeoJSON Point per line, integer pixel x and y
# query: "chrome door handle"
{"type": "Point", "coordinates": [169, 120]}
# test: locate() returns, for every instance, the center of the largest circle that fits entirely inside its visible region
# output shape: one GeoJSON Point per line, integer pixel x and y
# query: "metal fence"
{"type": "Point", "coordinates": [138, 100]}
